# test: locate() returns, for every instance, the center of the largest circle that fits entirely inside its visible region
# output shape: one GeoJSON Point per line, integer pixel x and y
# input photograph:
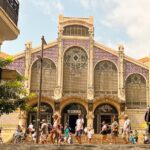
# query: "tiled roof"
{"type": "Point", "coordinates": [3, 55]}
{"type": "Point", "coordinates": [144, 59]}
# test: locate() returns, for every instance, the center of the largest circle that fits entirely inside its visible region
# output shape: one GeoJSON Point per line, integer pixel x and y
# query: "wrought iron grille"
{"type": "Point", "coordinates": [136, 91]}
{"type": "Point", "coordinates": [105, 79]}
{"type": "Point", "coordinates": [48, 80]}
{"type": "Point", "coordinates": [76, 30]}
{"type": "Point", "coordinates": [75, 71]}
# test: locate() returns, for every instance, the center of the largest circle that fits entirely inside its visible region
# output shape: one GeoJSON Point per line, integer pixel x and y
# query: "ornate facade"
{"type": "Point", "coordinates": [82, 76]}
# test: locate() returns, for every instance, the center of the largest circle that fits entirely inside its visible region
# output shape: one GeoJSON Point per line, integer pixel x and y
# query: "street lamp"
{"type": "Point", "coordinates": [40, 89]}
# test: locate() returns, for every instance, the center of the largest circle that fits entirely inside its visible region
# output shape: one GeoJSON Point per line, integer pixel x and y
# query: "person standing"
{"type": "Point", "coordinates": [44, 131]}
{"type": "Point", "coordinates": [79, 125]}
{"type": "Point", "coordinates": [147, 120]}
{"type": "Point", "coordinates": [104, 132]}
{"type": "Point", "coordinates": [126, 129]}
{"type": "Point", "coordinates": [89, 134]}
{"type": "Point", "coordinates": [114, 130]}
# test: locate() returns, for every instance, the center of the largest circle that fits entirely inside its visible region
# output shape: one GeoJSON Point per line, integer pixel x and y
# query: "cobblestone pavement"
{"type": "Point", "coordinates": [73, 147]}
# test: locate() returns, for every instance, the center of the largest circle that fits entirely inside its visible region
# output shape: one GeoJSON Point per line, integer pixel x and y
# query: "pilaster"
{"type": "Point", "coordinates": [28, 47]}
{"type": "Point", "coordinates": [90, 88]}
{"type": "Point", "coordinates": [58, 89]}
{"type": "Point", "coordinates": [121, 85]}
{"type": "Point", "coordinates": [90, 115]}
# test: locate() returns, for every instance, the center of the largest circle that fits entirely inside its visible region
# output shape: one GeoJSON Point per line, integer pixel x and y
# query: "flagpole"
{"type": "Point", "coordinates": [40, 91]}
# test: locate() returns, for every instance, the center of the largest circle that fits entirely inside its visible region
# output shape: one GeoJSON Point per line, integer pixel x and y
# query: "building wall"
{"type": "Point", "coordinates": [96, 53]}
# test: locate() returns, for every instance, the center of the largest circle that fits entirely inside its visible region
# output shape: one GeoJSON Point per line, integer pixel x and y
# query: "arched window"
{"type": "Point", "coordinates": [136, 91]}
{"type": "Point", "coordinates": [75, 71]}
{"type": "Point", "coordinates": [76, 30]}
{"type": "Point", "coordinates": [105, 79]}
{"type": "Point", "coordinates": [48, 80]}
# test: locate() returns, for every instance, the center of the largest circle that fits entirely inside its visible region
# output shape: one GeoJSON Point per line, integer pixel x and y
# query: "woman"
{"type": "Point", "coordinates": [54, 131]}
{"type": "Point", "coordinates": [114, 130]}
{"type": "Point", "coordinates": [104, 132]}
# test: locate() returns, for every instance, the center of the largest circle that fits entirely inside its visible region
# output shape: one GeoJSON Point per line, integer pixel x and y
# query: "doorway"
{"type": "Point", "coordinates": [102, 113]}
{"type": "Point", "coordinates": [70, 115]}
{"type": "Point", "coordinates": [46, 114]}
{"type": "Point", "coordinates": [72, 122]}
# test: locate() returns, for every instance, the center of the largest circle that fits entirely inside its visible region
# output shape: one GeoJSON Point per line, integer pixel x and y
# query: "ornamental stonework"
{"type": "Point", "coordinates": [131, 68]}
{"type": "Point", "coordinates": [74, 42]}
{"type": "Point", "coordinates": [99, 54]}
{"type": "Point", "coordinates": [18, 64]}
{"type": "Point", "coordinates": [51, 53]}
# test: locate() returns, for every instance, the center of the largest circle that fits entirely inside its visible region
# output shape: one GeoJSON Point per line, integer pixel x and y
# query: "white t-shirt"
{"type": "Point", "coordinates": [31, 126]}
{"type": "Point", "coordinates": [79, 124]}
{"type": "Point", "coordinates": [126, 126]}
{"type": "Point", "coordinates": [90, 133]}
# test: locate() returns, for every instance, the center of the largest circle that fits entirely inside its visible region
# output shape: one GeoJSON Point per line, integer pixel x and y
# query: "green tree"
{"type": "Point", "coordinates": [12, 93]}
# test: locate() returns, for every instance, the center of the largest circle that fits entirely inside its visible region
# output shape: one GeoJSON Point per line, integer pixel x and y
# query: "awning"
{"type": "Point", "coordinates": [7, 74]}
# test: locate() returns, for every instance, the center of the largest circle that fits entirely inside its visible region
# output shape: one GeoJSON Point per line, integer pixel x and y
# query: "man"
{"type": "Point", "coordinates": [126, 129]}
{"type": "Point", "coordinates": [79, 125]}
{"type": "Point", "coordinates": [147, 120]}
{"type": "Point", "coordinates": [44, 132]}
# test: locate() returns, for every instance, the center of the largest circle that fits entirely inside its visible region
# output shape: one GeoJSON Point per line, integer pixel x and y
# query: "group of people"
{"type": "Point", "coordinates": [56, 133]}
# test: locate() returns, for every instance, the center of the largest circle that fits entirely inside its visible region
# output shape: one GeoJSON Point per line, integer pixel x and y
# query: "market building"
{"type": "Point", "coordinates": [83, 76]}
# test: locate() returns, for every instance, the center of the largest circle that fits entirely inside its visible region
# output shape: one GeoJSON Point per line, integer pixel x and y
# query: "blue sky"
{"type": "Point", "coordinates": [116, 22]}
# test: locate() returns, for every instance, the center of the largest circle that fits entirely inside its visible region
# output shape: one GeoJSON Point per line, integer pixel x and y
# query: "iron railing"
{"type": "Point", "coordinates": [11, 7]}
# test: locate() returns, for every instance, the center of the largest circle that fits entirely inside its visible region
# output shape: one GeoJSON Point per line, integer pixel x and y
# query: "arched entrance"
{"type": "Point", "coordinates": [103, 112]}
{"type": "Point", "coordinates": [70, 114]}
{"type": "Point", "coordinates": [46, 113]}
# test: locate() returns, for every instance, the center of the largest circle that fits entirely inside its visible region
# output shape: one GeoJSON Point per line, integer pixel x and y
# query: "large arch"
{"type": "Point", "coordinates": [105, 79]}
{"type": "Point", "coordinates": [46, 112]}
{"type": "Point", "coordinates": [75, 71]}
{"type": "Point", "coordinates": [103, 112]}
{"type": "Point", "coordinates": [70, 113]}
{"type": "Point", "coordinates": [48, 80]}
{"type": "Point", "coordinates": [135, 90]}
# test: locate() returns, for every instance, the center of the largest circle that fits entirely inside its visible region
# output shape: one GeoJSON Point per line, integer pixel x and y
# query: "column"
{"type": "Point", "coordinates": [28, 47]}
{"type": "Point", "coordinates": [148, 84]}
{"type": "Point", "coordinates": [121, 87]}
{"type": "Point", "coordinates": [58, 89]}
{"type": "Point", "coordinates": [90, 116]}
{"type": "Point", "coordinates": [90, 88]}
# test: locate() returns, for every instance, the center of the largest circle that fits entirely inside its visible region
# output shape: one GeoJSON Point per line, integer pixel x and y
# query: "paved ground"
{"type": "Point", "coordinates": [73, 147]}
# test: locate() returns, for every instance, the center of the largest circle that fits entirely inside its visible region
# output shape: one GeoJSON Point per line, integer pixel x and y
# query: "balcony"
{"type": "Point", "coordinates": [11, 7]}
{"type": "Point", "coordinates": [8, 19]}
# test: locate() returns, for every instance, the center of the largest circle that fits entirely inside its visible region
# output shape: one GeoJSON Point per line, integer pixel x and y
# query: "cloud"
{"type": "Point", "coordinates": [49, 7]}
{"type": "Point", "coordinates": [131, 16]}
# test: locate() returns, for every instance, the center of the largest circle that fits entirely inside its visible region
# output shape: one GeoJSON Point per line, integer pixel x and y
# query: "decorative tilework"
{"type": "Point", "coordinates": [51, 53]}
{"type": "Point", "coordinates": [100, 54]}
{"type": "Point", "coordinates": [18, 64]}
{"type": "Point", "coordinates": [133, 68]}
{"type": "Point", "coordinates": [74, 42]}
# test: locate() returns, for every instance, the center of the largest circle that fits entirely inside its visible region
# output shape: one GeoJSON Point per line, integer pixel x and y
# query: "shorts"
{"type": "Point", "coordinates": [125, 134]}
{"type": "Point", "coordinates": [78, 133]}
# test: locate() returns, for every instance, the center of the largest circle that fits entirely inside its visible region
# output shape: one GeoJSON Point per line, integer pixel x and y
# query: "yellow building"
{"type": "Point", "coordinates": [8, 20]}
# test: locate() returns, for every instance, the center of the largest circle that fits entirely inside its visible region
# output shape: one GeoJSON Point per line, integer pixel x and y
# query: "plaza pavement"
{"type": "Point", "coordinates": [73, 147]}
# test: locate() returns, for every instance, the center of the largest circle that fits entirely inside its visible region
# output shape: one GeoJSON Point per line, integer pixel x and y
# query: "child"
{"type": "Point", "coordinates": [70, 139]}
{"type": "Point", "coordinates": [1, 140]}
{"type": "Point", "coordinates": [131, 138]}
{"type": "Point", "coordinates": [89, 134]}
{"type": "Point", "coordinates": [66, 133]}
{"type": "Point", "coordinates": [135, 136]}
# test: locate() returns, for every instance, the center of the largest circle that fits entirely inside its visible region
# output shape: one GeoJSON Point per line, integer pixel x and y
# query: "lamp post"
{"type": "Point", "coordinates": [40, 89]}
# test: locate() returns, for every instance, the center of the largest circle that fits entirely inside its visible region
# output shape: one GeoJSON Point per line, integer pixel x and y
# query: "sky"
{"type": "Point", "coordinates": [116, 22]}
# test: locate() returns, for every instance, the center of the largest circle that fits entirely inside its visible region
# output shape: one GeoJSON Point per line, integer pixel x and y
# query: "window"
{"type": "Point", "coordinates": [76, 30]}
{"type": "Point", "coordinates": [136, 91]}
{"type": "Point", "coordinates": [105, 79]}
